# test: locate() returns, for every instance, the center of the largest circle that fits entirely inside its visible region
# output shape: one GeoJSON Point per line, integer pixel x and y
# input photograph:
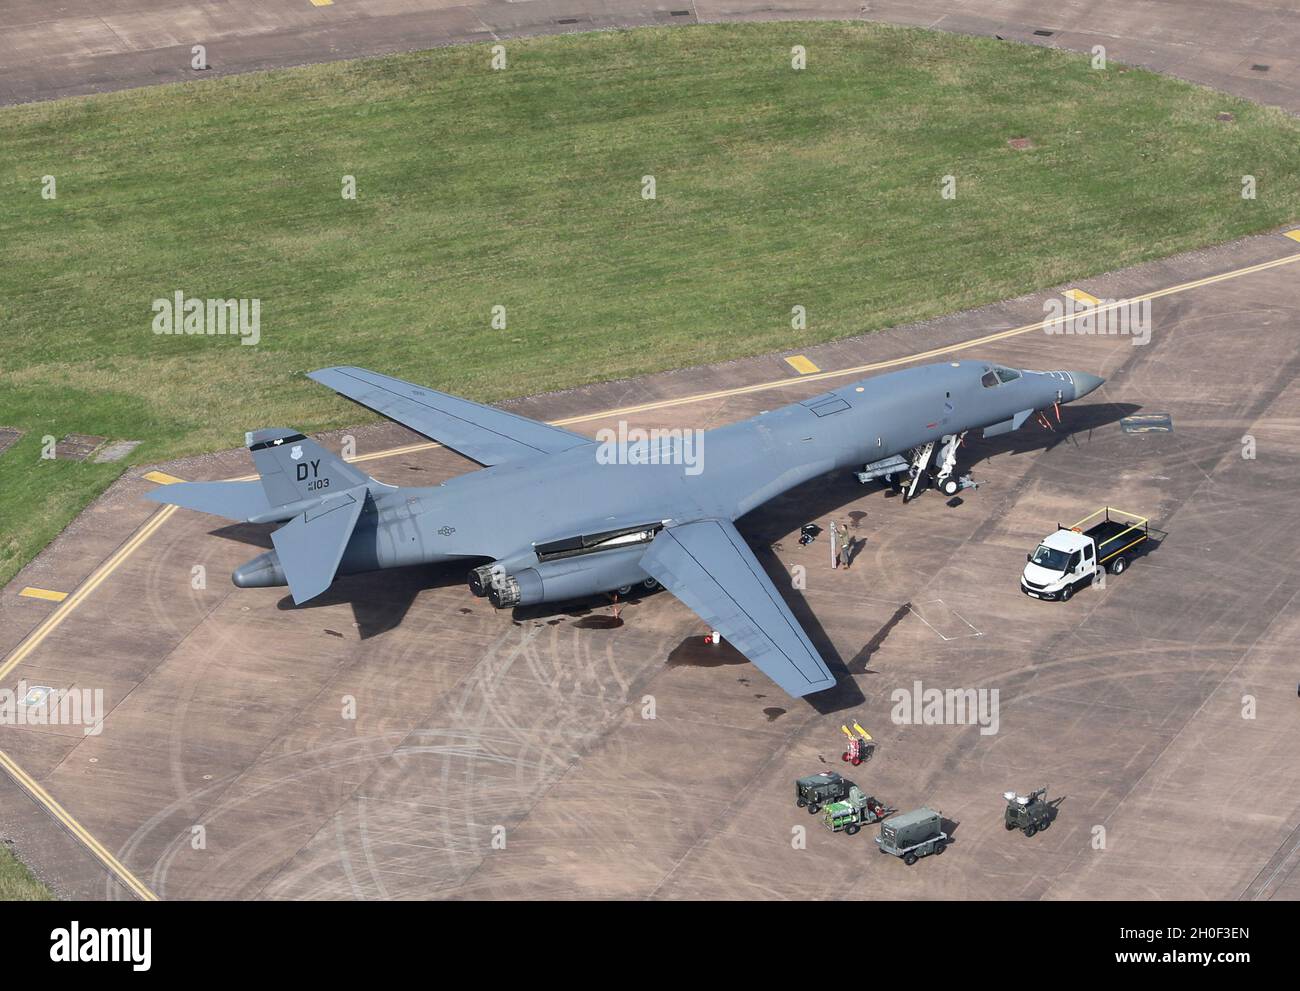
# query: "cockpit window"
{"type": "Point", "coordinates": [998, 375]}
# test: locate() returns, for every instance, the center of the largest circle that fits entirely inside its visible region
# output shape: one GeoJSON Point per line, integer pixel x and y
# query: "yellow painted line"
{"type": "Point", "coordinates": [127, 549]}
{"type": "Point", "coordinates": [321, 3]}
{"type": "Point", "coordinates": [162, 478]}
{"type": "Point", "coordinates": [1293, 235]}
{"type": "Point", "coordinates": [801, 364]}
{"type": "Point", "coordinates": [43, 593]}
{"type": "Point", "coordinates": [1079, 296]}
{"type": "Point", "coordinates": [46, 800]}
{"type": "Point", "coordinates": [96, 579]}
{"type": "Point", "coordinates": [100, 574]}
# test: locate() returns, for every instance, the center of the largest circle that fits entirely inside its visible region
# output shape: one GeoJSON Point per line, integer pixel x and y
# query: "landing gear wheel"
{"type": "Point", "coordinates": [950, 487]}
{"type": "Point", "coordinates": [1066, 593]}
{"type": "Point", "coordinates": [650, 584]}
{"type": "Point", "coordinates": [909, 858]}
{"type": "Point", "coordinates": [623, 590]}
{"type": "Point", "coordinates": [1117, 566]}
{"type": "Point", "coordinates": [852, 830]}
{"type": "Point", "coordinates": [1030, 831]}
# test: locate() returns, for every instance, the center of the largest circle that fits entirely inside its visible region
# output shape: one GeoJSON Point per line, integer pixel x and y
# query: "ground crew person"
{"type": "Point", "coordinates": [845, 545]}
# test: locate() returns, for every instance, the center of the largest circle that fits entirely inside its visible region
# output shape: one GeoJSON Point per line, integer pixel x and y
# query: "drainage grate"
{"type": "Point", "coordinates": [9, 437]}
{"type": "Point", "coordinates": [77, 447]}
{"type": "Point", "coordinates": [1259, 68]}
{"type": "Point", "coordinates": [1148, 423]}
{"type": "Point", "coordinates": [1044, 34]}
{"type": "Point", "coordinates": [680, 13]}
{"type": "Point", "coordinates": [567, 20]}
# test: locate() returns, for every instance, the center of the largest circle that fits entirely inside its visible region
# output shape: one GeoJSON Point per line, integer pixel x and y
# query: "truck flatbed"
{"type": "Point", "coordinates": [1114, 537]}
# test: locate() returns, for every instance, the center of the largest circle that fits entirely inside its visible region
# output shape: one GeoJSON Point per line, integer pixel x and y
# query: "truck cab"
{"type": "Point", "coordinates": [1064, 561]}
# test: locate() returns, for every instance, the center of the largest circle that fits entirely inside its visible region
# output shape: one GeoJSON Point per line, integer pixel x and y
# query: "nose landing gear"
{"type": "Point", "coordinates": [942, 475]}
{"type": "Point", "coordinates": [905, 473]}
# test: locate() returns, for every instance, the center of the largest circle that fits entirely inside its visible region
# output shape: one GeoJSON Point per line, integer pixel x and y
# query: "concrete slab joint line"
{"type": "Point", "coordinates": [961, 627]}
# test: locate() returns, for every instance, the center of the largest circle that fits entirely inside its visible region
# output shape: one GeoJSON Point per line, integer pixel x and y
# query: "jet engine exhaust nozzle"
{"type": "Point", "coordinates": [263, 571]}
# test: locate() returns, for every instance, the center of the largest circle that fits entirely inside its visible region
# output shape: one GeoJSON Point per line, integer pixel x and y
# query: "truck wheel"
{"type": "Point", "coordinates": [1045, 824]}
{"type": "Point", "coordinates": [856, 761]}
{"type": "Point", "coordinates": [1118, 565]}
{"type": "Point", "coordinates": [1066, 593]}
{"type": "Point", "coordinates": [909, 858]}
{"type": "Point", "coordinates": [940, 847]}
{"type": "Point", "coordinates": [813, 809]}
{"type": "Point", "coordinates": [800, 803]}
{"type": "Point", "coordinates": [1010, 826]}
{"type": "Point", "coordinates": [1030, 830]}
{"type": "Point", "coordinates": [852, 829]}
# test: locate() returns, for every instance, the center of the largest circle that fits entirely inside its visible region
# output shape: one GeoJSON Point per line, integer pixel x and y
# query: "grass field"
{"type": "Point", "coordinates": [16, 884]}
{"type": "Point", "coordinates": [522, 188]}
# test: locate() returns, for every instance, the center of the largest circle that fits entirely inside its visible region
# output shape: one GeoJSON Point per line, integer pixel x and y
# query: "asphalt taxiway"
{"type": "Point", "coordinates": [1246, 47]}
{"type": "Point", "coordinates": [228, 766]}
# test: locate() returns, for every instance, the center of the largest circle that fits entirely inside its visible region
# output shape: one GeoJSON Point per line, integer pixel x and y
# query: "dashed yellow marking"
{"type": "Point", "coordinates": [801, 364]}
{"type": "Point", "coordinates": [43, 593]}
{"type": "Point", "coordinates": [1079, 296]}
{"type": "Point", "coordinates": [321, 3]}
{"type": "Point", "coordinates": [46, 800]}
{"type": "Point", "coordinates": [97, 578]}
{"type": "Point", "coordinates": [1293, 235]}
{"type": "Point", "coordinates": [162, 478]}
{"type": "Point", "coordinates": [100, 574]}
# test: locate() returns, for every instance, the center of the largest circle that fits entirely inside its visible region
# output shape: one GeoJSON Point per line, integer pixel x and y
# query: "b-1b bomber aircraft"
{"type": "Point", "coordinates": [558, 516]}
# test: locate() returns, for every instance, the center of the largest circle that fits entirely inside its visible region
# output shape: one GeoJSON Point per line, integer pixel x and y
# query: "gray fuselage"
{"type": "Point", "coordinates": [502, 512]}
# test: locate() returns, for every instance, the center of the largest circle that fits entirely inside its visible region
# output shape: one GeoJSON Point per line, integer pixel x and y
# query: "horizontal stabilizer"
{"type": "Point", "coordinates": [486, 434]}
{"type": "Point", "coordinates": [711, 569]}
{"type": "Point", "coordinates": [232, 500]}
{"type": "Point", "coordinates": [311, 546]}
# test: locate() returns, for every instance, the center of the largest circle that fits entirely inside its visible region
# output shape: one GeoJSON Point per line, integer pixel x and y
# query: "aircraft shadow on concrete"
{"type": "Point", "coordinates": [381, 600]}
{"type": "Point", "coordinates": [1077, 426]}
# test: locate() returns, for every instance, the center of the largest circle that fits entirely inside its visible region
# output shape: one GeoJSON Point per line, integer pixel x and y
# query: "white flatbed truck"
{"type": "Point", "coordinates": [1073, 556]}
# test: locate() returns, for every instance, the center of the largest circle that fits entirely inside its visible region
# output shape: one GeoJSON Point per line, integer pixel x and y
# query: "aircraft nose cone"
{"type": "Point", "coordinates": [1085, 383]}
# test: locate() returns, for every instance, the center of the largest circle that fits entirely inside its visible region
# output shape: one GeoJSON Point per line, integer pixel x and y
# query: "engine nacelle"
{"type": "Point", "coordinates": [571, 578]}
{"type": "Point", "coordinates": [263, 571]}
